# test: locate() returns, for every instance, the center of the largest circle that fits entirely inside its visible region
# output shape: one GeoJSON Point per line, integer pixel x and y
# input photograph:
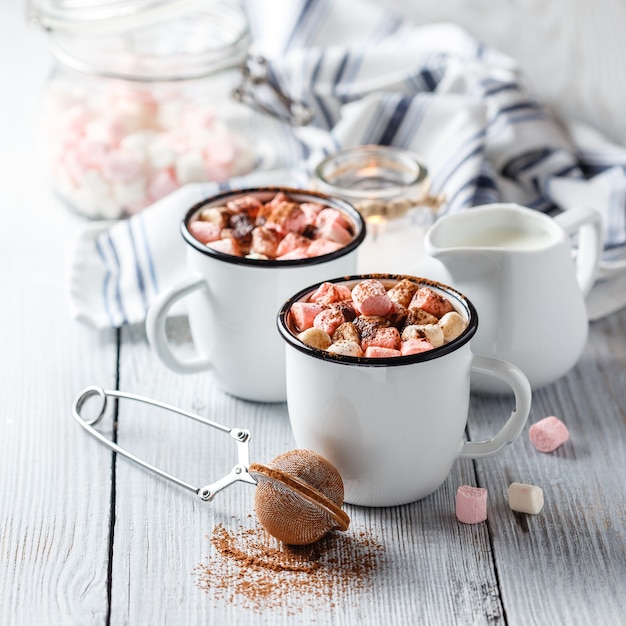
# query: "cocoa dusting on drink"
{"type": "Point", "coordinates": [251, 569]}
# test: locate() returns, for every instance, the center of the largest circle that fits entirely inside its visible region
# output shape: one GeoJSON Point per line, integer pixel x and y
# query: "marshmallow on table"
{"type": "Point", "coordinates": [548, 434]}
{"type": "Point", "coordinates": [525, 498]}
{"type": "Point", "coordinates": [471, 504]}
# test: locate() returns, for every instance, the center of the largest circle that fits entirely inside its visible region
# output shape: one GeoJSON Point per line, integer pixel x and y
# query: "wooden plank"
{"type": "Point", "coordinates": [54, 492]}
{"type": "Point", "coordinates": [566, 565]}
{"type": "Point", "coordinates": [54, 487]}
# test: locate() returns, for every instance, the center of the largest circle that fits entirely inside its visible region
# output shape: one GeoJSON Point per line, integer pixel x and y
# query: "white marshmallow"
{"type": "Point", "coordinates": [201, 138]}
{"type": "Point", "coordinates": [160, 155]}
{"type": "Point", "coordinates": [452, 324]}
{"type": "Point", "coordinates": [130, 193]}
{"type": "Point", "coordinates": [190, 168]}
{"type": "Point", "coordinates": [139, 140]}
{"type": "Point", "coordinates": [105, 130]}
{"type": "Point", "coordinates": [433, 333]}
{"type": "Point", "coordinates": [345, 347]}
{"type": "Point", "coordinates": [169, 113]}
{"type": "Point", "coordinates": [525, 498]}
{"type": "Point", "coordinates": [124, 166]}
{"type": "Point", "coordinates": [315, 338]}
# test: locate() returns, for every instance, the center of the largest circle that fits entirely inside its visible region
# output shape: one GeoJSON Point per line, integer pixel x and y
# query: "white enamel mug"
{"type": "Point", "coordinates": [232, 304]}
{"type": "Point", "coordinates": [394, 426]}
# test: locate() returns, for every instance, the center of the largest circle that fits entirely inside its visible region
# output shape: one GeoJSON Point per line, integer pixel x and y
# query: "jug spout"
{"type": "Point", "coordinates": [463, 264]}
{"type": "Point", "coordinates": [481, 239]}
{"type": "Point", "coordinates": [514, 263]}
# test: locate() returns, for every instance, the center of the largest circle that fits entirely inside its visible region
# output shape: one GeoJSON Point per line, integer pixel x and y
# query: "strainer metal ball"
{"type": "Point", "coordinates": [298, 497]}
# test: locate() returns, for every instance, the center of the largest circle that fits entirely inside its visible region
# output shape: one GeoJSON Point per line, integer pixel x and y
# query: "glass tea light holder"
{"type": "Point", "coordinates": [390, 187]}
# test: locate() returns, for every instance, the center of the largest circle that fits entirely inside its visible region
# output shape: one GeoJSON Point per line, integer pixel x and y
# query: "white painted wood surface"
{"type": "Point", "coordinates": [88, 539]}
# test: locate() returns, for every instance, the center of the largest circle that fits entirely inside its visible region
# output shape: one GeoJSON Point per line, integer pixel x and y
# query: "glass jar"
{"type": "Point", "coordinates": [390, 187]}
{"type": "Point", "coordinates": [140, 103]}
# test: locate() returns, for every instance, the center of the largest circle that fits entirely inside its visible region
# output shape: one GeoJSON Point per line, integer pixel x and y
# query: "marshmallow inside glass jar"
{"type": "Point", "coordinates": [140, 103]}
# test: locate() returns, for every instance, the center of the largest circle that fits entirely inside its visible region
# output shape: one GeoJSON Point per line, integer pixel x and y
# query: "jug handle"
{"type": "Point", "coordinates": [588, 223]}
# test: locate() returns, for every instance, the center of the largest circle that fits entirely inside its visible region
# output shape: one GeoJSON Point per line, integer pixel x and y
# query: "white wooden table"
{"type": "Point", "coordinates": [88, 538]}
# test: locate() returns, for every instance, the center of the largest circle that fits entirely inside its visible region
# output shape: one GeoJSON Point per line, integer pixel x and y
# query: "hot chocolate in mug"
{"type": "Point", "coordinates": [517, 266]}
{"type": "Point", "coordinates": [232, 302]}
{"type": "Point", "coordinates": [393, 426]}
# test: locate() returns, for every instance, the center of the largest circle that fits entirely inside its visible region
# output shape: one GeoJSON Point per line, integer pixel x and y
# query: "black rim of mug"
{"type": "Point", "coordinates": [300, 195]}
{"type": "Point", "coordinates": [472, 317]}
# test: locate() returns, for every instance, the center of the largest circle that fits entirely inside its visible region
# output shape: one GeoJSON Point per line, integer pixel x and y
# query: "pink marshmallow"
{"type": "Point", "coordinates": [386, 337]}
{"type": "Point", "coordinates": [471, 504]}
{"type": "Point", "coordinates": [334, 232]}
{"type": "Point", "coordinates": [311, 210]}
{"type": "Point", "coordinates": [377, 352]}
{"type": "Point", "coordinates": [291, 242]}
{"type": "Point", "coordinates": [329, 320]}
{"type": "Point", "coordinates": [227, 246]}
{"type": "Point", "coordinates": [370, 298]}
{"type": "Point", "coordinates": [205, 232]}
{"type": "Point", "coordinates": [327, 293]}
{"type": "Point", "coordinates": [303, 314]}
{"type": "Point", "coordinates": [548, 434]}
{"type": "Point", "coordinates": [106, 130]}
{"type": "Point", "coordinates": [415, 346]}
{"type": "Point", "coordinates": [430, 301]}
{"type": "Point", "coordinates": [91, 153]}
{"type": "Point", "coordinates": [298, 253]}
{"type": "Point", "coordinates": [322, 246]}
{"type": "Point", "coordinates": [333, 217]}
{"type": "Point", "coordinates": [285, 217]}
{"type": "Point", "coordinates": [123, 166]}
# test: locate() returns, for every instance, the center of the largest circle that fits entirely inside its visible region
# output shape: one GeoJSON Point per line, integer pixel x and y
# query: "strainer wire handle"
{"type": "Point", "coordinates": [241, 436]}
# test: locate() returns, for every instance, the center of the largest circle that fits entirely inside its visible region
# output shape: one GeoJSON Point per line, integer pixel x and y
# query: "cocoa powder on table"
{"type": "Point", "coordinates": [251, 569]}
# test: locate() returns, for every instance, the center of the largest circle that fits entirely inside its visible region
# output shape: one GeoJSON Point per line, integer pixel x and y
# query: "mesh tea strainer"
{"type": "Point", "coordinates": [299, 494]}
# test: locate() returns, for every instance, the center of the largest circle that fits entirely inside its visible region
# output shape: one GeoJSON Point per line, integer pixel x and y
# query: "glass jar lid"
{"type": "Point", "coordinates": [145, 40]}
{"type": "Point", "coordinates": [382, 182]}
{"type": "Point", "coordinates": [371, 172]}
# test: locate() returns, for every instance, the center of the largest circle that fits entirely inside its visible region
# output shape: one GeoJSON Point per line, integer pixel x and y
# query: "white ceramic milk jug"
{"type": "Point", "coordinates": [517, 266]}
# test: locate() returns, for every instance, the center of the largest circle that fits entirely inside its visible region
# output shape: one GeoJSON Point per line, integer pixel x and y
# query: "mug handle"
{"type": "Point", "coordinates": [516, 379]}
{"type": "Point", "coordinates": [155, 327]}
{"type": "Point", "coordinates": [588, 224]}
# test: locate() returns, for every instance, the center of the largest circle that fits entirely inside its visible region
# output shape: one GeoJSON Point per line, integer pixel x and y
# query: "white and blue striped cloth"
{"type": "Point", "coordinates": [371, 78]}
